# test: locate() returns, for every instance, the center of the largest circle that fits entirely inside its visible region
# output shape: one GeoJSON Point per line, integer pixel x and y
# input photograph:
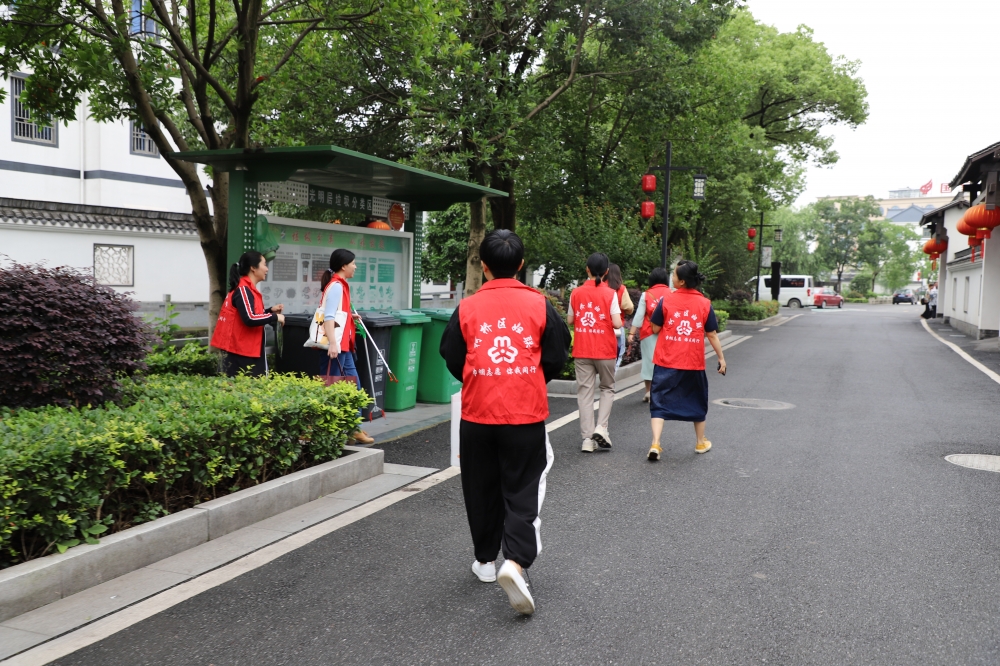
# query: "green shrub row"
{"type": "Point", "coordinates": [69, 474]}
{"type": "Point", "coordinates": [723, 317]}
{"type": "Point", "coordinates": [747, 311]}
{"type": "Point", "coordinates": [191, 359]}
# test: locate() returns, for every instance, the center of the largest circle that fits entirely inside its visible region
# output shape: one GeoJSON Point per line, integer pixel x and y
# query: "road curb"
{"type": "Point", "coordinates": [761, 322]}
{"type": "Point", "coordinates": [33, 584]}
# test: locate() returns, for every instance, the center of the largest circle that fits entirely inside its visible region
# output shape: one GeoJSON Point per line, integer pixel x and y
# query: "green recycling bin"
{"type": "Point", "coordinates": [404, 359]}
{"type": "Point", "coordinates": [435, 383]}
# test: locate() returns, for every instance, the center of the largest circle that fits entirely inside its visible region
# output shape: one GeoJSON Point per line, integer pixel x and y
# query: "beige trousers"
{"type": "Point", "coordinates": [591, 373]}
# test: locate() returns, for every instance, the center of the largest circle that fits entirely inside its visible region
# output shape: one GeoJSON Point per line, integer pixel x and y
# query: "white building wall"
{"type": "Point", "coordinates": [161, 264]}
{"type": "Point", "coordinates": [91, 163]}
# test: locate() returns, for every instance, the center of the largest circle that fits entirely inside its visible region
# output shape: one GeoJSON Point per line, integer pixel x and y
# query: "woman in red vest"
{"type": "Point", "coordinates": [340, 325]}
{"type": "Point", "coordinates": [616, 282]}
{"type": "Point", "coordinates": [658, 281]}
{"type": "Point", "coordinates": [682, 321]}
{"type": "Point", "coordinates": [595, 315]}
{"type": "Point", "coordinates": [240, 329]}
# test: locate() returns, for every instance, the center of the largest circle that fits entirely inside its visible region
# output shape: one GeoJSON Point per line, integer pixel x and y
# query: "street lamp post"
{"type": "Point", "coordinates": [760, 255]}
{"type": "Point", "coordinates": [699, 193]}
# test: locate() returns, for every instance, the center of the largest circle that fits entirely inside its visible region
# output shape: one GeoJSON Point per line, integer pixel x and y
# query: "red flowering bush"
{"type": "Point", "coordinates": [64, 340]}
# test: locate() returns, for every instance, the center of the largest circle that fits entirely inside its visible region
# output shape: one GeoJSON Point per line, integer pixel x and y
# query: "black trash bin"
{"type": "Point", "coordinates": [370, 367]}
{"type": "Point", "coordinates": [292, 356]}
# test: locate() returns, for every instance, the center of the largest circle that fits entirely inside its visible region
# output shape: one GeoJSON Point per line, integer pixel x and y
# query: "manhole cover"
{"type": "Point", "coordinates": [753, 403]}
{"type": "Point", "coordinates": [975, 461]}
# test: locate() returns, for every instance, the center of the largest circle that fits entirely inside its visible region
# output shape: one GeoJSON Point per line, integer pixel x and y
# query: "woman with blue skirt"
{"type": "Point", "coordinates": [679, 391]}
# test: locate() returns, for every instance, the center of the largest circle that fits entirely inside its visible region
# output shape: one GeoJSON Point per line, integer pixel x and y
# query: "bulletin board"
{"type": "Point", "coordinates": [384, 277]}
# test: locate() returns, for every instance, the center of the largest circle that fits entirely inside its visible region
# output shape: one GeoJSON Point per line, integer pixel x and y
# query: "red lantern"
{"type": "Point", "coordinates": [982, 220]}
{"type": "Point", "coordinates": [649, 183]}
{"type": "Point", "coordinates": [751, 246]}
{"type": "Point", "coordinates": [751, 233]}
{"type": "Point", "coordinates": [647, 210]}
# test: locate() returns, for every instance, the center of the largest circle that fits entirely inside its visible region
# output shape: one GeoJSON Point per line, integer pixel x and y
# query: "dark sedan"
{"type": "Point", "coordinates": [904, 296]}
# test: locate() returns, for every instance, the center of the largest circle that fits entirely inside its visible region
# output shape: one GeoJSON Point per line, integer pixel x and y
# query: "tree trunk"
{"type": "Point", "coordinates": [504, 209]}
{"type": "Point", "coordinates": [477, 231]}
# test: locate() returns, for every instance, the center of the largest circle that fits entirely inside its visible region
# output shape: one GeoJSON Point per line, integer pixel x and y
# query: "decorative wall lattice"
{"type": "Point", "coordinates": [288, 191]}
{"type": "Point", "coordinates": [250, 205]}
{"type": "Point", "coordinates": [302, 194]}
{"type": "Point", "coordinates": [113, 265]}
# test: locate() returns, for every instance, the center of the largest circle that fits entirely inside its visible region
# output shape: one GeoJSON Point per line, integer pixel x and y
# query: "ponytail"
{"type": "Point", "coordinates": [325, 280]}
{"type": "Point", "coordinates": [597, 263]}
{"type": "Point", "coordinates": [688, 271]}
{"type": "Point", "coordinates": [249, 259]}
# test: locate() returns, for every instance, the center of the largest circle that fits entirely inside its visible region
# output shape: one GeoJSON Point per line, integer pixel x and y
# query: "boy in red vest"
{"type": "Point", "coordinates": [505, 343]}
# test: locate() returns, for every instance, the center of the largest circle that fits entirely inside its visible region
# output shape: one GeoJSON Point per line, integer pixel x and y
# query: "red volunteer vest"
{"type": "Point", "coordinates": [347, 343]}
{"type": "Point", "coordinates": [231, 334]}
{"type": "Point", "coordinates": [653, 296]}
{"type": "Point", "coordinates": [681, 342]}
{"type": "Point", "coordinates": [502, 383]}
{"type": "Point", "coordinates": [593, 335]}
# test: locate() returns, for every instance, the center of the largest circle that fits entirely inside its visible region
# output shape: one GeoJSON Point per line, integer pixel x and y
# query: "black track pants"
{"type": "Point", "coordinates": [503, 480]}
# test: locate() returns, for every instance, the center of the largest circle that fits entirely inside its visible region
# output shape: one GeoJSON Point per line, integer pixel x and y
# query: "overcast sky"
{"type": "Point", "coordinates": [933, 99]}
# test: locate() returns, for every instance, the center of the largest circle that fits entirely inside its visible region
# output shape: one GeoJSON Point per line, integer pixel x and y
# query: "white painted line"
{"type": "Point", "coordinates": [731, 344]}
{"type": "Point", "coordinates": [958, 350]}
{"type": "Point", "coordinates": [787, 319]}
{"type": "Point", "coordinates": [764, 329]}
{"type": "Point", "coordinates": [81, 638]}
{"type": "Point", "coordinates": [572, 416]}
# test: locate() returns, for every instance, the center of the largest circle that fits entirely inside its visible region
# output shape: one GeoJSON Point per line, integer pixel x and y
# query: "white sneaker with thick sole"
{"type": "Point", "coordinates": [486, 572]}
{"type": "Point", "coordinates": [602, 437]}
{"type": "Point", "coordinates": [513, 584]}
{"type": "Point", "coordinates": [588, 446]}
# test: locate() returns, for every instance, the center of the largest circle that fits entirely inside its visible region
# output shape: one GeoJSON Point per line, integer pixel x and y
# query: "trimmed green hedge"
{"type": "Point", "coordinates": [68, 474]}
{"type": "Point", "coordinates": [723, 318]}
{"type": "Point", "coordinates": [191, 359]}
{"type": "Point", "coordinates": [747, 311]}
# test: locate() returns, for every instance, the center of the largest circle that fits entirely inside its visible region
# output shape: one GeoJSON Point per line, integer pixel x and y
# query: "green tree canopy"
{"type": "Point", "coordinates": [841, 222]}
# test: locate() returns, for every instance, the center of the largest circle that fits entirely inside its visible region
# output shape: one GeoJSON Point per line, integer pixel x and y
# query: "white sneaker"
{"type": "Point", "coordinates": [602, 437]}
{"type": "Point", "coordinates": [513, 584]}
{"type": "Point", "coordinates": [485, 572]}
{"type": "Point", "coordinates": [588, 446]}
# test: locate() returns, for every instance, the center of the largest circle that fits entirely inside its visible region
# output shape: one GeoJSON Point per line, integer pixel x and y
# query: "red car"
{"type": "Point", "coordinates": [827, 297]}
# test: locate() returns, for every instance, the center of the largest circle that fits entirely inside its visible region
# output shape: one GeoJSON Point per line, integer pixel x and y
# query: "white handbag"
{"type": "Point", "coordinates": [317, 331]}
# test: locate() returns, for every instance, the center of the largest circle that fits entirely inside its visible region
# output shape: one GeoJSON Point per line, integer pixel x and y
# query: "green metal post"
{"type": "Point", "coordinates": [415, 225]}
{"type": "Point", "coordinates": [242, 214]}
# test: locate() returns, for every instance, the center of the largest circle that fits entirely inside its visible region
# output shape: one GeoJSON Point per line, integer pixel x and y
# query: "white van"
{"type": "Point", "coordinates": [796, 290]}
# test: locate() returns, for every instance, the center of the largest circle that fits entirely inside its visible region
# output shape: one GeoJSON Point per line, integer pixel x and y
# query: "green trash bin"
{"type": "Point", "coordinates": [435, 383]}
{"type": "Point", "coordinates": [404, 359]}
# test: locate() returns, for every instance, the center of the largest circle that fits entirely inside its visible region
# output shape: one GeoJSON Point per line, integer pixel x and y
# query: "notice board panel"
{"type": "Point", "coordinates": [383, 280]}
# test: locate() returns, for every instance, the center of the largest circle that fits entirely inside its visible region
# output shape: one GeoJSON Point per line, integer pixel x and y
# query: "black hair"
{"type": "Point", "coordinates": [598, 265]}
{"type": "Point", "coordinates": [325, 280]}
{"type": "Point", "coordinates": [340, 258]}
{"type": "Point", "coordinates": [249, 259]}
{"type": "Point", "coordinates": [502, 251]}
{"type": "Point", "coordinates": [615, 277]}
{"type": "Point", "coordinates": [659, 276]}
{"type": "Point", "coordinates": [688, 271]}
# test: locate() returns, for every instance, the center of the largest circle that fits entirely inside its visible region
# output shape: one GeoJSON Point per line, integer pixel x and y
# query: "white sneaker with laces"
{"type": "Point", "coordinates": [485, 571]}
{"type": "Point", "coordinates": [514, 585]}
{"type": "Point", "coordinates": [602, 437]}
{"type": "Point", "coordinates": [589, 446]}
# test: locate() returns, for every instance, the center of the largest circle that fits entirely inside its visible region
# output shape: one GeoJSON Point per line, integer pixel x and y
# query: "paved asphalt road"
{"type": "Point", "coordinates": [831, 533]}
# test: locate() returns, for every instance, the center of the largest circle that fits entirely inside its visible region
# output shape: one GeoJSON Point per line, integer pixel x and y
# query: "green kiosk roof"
{"type": "Point", "coordinates": [342, 169]}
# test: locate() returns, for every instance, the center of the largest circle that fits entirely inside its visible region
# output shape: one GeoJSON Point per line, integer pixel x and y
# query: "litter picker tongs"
{"type": "Point", "coordinates": [368, 336]}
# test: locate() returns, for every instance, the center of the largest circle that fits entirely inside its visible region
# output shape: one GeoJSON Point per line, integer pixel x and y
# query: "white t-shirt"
{"type": "Point", "coordinates": [932, 299]}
